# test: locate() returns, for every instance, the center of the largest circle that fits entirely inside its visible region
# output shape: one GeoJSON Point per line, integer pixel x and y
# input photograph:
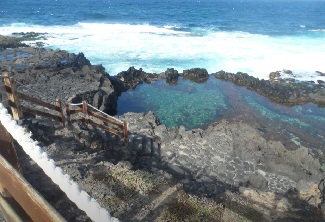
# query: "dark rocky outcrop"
{"type": "Point", "coordinates": [320, 73]}
{"type": "Point", "coordinates": [49, 74]}
{"type": "Point", "coordinates": [196, 74]}
{"type": "Point", "coordinates": [286, 93]}
{"type": "Point", "coordinates": [274, 76]}
{"type": "Point", "coordinates": [10, 42]}
{"type": "Point", "coordinates": [132, 77]}
{"type": "Point", "coordinates": [171, 75]}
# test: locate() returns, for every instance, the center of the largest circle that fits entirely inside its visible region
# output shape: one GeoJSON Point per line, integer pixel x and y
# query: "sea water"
{"type": "Point", "coordinates": [197, 105]}
{"type": "Point", "coordinates": [257, 37]}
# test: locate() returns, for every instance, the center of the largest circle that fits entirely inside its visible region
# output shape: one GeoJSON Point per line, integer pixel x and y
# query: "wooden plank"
{"type": "Point", "coordinates": [40, 113]}
{"type": "Point", "coordinates": [29, 199]}
{"type": "Point", "coordinates": [74, 111]}
{"type": "Point", "coordinates": [37, 101]}
{"type": "Point", "coordinates": [77, 120]}
{"type": "Point", "coordinates": [106, 128]}
{"type": "Point", "coordinates": [98, 116]}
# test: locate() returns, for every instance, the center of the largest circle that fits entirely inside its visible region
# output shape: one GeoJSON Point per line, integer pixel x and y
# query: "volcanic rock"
{"type": "Point", "coordinates": [286, 93]}
{"type": "Point", "coordinates": [171, 75]}
{"type": "Point", "coordinates": [196, 74]}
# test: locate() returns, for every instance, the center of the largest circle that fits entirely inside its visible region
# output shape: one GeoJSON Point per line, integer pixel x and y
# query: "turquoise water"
{"type": "Point", "coordinates": [187, 103]}
{"type": "Point", "coordinates": [196, 105]}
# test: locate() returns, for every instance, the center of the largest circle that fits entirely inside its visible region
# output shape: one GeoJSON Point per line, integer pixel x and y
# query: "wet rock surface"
{"type": "Point", "coordinates": [281, 92]}
{"type": "Point", "coordinates": [196, 74]}
{"type": "Point", "coordinates": [171, 75]}
{"type": "Point", "coordinates": [132, 77]}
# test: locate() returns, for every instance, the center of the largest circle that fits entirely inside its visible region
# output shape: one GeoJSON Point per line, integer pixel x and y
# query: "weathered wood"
{"type": "Point", "coordinates": [40, 113]}
{"type": "Point", "coordinates": [12, 96]}
{"type": "Point", "coordinates": [74, 111]}
{"type": "Point", "coordinates": [105, 119]}
{"type": "Point", "coordinates": [29, 199]}
{"type": "Point", "coordinates": [85, 111]}
{"type": "Point", "coordinates": [37, 101]}
{"type": "Point", "coordinates": [125, 132]}
{"type": "Point", "coordinates": [59, 108]}
{"type": "Point", "coordinates": [106, 128]}
{"type": "Point", "coordinates": [67, 110]}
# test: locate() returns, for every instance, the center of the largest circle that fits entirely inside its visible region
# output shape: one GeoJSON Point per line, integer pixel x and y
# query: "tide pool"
{"type": "Point", "coordinates": [196, 105]}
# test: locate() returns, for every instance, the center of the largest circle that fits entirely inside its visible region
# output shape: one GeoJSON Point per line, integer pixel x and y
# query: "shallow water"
{"type": "Point", "coordinates": [196, 105]}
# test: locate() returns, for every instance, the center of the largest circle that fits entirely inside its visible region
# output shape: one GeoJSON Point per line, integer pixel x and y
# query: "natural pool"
{"type": "Point", "coordinates": [195, 105]}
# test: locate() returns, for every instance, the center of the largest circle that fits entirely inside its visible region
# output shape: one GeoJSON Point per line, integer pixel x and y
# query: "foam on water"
{"type": "Point", "coordinates": [118, 46]}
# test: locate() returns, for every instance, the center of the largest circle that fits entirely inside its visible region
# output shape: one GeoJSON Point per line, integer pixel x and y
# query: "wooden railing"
{"type": "Point", "coordinates": [17, 109]}
{"type": "Point", "coordinates": [24, 196]}
{"type": "Point", "coordinates": [116, 126]}
{"type": "Point", "coordinates": [110, 124]}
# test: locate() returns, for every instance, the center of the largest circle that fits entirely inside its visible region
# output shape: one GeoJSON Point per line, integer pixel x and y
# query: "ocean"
{"type": "Point", "coordinates": [253, 36]}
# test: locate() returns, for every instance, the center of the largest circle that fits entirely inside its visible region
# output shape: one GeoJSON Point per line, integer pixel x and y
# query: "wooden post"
{"type": "Point", "coordinates": [125, 132]}
{"type": "Point", "coordinates": [67, 109]}
{"type": "Point", "coordinates": [85, 111]}
{"type": "Point", "coordinates": [59, 109]}
{"type": "Point", "coordinates": [12, 96]}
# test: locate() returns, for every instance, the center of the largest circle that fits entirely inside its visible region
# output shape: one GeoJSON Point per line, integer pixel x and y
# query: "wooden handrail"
{"type": "Point", "coordinates": [105, 119]}
{"type": "Point", "coordinates": [106, 128]}
{"type": "Point", "coordinates": [40, 113]}
{"type": "Point", "coordinates": [87, 120]}
{"type": "Point", "coordinates": [37, 101]}
{"type": "Point", "coordinates": [73, 111]}
{"type": "Point", "coordinates": [28, 198]}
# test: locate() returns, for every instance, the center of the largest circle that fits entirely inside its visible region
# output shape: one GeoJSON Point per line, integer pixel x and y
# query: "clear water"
{"type": "Point", "coordinates": [251, 36]}
{"type": "Point", "coordinates": [195, 105]}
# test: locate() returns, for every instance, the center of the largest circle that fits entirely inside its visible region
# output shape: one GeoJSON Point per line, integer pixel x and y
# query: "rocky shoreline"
{"type": "Point", "coordinates": [225, 162]}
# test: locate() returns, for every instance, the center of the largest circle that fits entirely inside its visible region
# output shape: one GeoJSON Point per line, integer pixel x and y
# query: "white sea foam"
{"type": "Point", "coordinates": [118, 46]}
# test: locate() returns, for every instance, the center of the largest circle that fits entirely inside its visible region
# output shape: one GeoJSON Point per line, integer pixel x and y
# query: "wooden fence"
{"type": "Point", "coordinates": [116, 127]}
{"type": "Point", "coordinates": [17, 109]}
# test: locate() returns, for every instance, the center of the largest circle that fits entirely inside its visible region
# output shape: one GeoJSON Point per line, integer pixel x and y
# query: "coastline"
{"type": "Point", "coordinates": [154, 147]}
